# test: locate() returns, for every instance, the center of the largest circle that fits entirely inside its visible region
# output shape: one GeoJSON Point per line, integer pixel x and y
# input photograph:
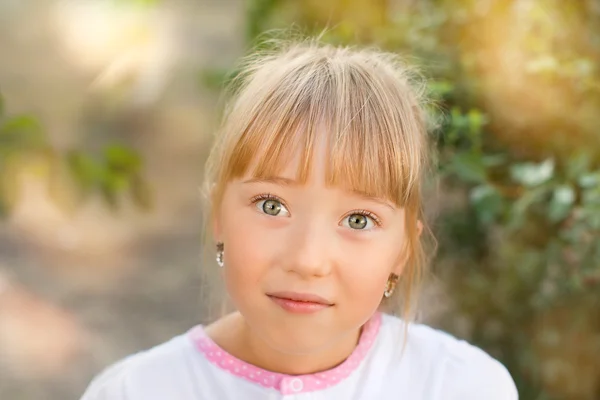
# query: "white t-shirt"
{"type": "Point", "coordinates": [433, 366]}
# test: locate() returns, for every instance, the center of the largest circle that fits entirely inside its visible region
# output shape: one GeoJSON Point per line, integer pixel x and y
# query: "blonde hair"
{"type": "Point", "coordinates": [369, 103]}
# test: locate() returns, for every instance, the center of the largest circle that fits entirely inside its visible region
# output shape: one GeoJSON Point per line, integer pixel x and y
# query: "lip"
{"type": "Point", "coordinates": [304, 297]}
{"type": "Point", "coordinates": [300, 303]}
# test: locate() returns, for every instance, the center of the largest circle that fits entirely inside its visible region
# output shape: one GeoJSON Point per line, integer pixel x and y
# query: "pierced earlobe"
{"type": "Point", "coordinates": [390, 285]}
{"type": "Point", "coordinates": [220, 254]}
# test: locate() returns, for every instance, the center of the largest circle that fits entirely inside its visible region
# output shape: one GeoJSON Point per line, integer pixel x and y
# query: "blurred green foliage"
{"type": "Point", "coordinates": [70, 178]}
{"type": "Point", "coordinates": [518, 87]}
{"type": "Point", "coordinates": [117, 170]}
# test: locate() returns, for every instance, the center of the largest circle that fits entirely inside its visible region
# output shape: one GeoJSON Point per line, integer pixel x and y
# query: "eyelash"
{"type": "Point", "coordinates": [269, 196]}
{"type": "Point", "coordinates": [365, 213]}
{"type": "Point", "coordinates": [266, 196]}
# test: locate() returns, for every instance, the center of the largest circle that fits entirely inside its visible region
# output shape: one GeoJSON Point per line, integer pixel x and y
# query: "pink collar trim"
{"type": "Point", "coordinates": [287, 384]}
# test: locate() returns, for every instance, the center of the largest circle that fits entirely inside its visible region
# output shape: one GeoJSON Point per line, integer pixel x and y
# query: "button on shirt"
{"type": "Point", "coordinates": [429, 365]}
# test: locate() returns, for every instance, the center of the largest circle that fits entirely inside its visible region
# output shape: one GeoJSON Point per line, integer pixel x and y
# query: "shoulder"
{"type": "Point", "coordinates": [452, 367]}
{"type": "Point", "coordinates": [135, 376]}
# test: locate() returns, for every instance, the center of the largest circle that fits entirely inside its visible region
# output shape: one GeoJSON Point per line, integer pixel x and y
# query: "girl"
{"type": "Point", "coordinates": [315, 202]}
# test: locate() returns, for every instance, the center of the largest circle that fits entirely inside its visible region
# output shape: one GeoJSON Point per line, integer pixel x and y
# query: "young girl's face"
{"type": "Point", "coordinates": [287, 241]}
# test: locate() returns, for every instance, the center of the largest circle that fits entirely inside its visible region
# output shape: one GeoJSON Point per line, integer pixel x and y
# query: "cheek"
{"type": "Point", "coordinates": [364, 283]}
{"type": "Point", "coordinates": [247, 252]}
{"type": "Point", "coordinates": [365, 270]}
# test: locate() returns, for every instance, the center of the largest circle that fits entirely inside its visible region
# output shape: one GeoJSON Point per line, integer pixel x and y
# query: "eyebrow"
{"type": "Point", "coordinates": [278, 180]}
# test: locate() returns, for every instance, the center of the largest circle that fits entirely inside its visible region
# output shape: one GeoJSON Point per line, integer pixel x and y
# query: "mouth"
{"type": "Point", "coordinates": [300, 303]}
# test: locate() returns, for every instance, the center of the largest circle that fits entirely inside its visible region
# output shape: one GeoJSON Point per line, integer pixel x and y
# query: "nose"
{"type": "Point", "coordinates": [309, 250]}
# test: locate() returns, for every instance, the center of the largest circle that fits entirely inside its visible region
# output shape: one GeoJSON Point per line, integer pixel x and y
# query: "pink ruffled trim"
{"type": "Point", "coordinates": [287, 384]}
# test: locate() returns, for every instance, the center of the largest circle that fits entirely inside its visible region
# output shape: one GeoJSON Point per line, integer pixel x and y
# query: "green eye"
{"type": "Point", "coordinates": [271, 207]}
{"type": "Point", "coordinates": [361, 221]}
{"type": "Point", "coordinates": [357, 221]}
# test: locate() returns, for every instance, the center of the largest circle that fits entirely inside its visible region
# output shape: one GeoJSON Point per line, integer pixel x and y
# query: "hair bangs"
{"type": "Point", "coordinates": [374, 151]}
{"type": "Point", "coordinates": [346, 110]}
{"type": "Point", "coordinates": [284, 120]}
{"type": "Point", "coordinates": [363, 156]}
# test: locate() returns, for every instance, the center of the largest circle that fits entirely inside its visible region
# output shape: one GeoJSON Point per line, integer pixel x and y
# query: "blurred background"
{"type": "Point", "coordinates": [107, 112]}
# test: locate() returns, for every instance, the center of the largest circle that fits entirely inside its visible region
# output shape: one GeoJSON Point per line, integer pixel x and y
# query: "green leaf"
{"type": "Point", "coordinates": [258, 16]}
{"type": "Point", "coordinates": [591, 196]}
{"type": "Point", "coordinates": [440, 89]}
{"type": "Point", "coordinates": [562, 202]}
{"type": "Point", "coordinates": [593, 219]}
{"type": "Point", "coordinates": [110, 191]}
{"type": "Point", "coordinates": [214, 78]}
{"type": "Point", "coordinates": [578, 166]}
{"type": "Point", "coordinates": [532, 174]}
{"type": "Point", "coordinates": [122, 159]}
{"type": "Point", "coordinates": [589, 180]}
{"type": "Point", "coordinates": [521, 206]}
{"type": "Point", "coordinates": [469, 167]}
{"type": "Point", "coordinates": [488, 203]}
{"type": "Point", "coordinates": [22, 131]}
{"type": "Point", "coordinates": [87, 172]}
{"type": "Point", "coordinates": [118, 182]}
{"type": "Point", "coordinates": [476, 120]}
{"type": "Point", "coordinates": [458, 120]}
{"type": "Point", "coordinates": [20, 123]}
{"type": "Point", "coordinates": [494, 160]}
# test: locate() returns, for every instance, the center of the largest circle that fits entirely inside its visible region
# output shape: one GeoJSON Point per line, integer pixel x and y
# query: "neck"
{"type": "Point", "coordinates": [234, 335]}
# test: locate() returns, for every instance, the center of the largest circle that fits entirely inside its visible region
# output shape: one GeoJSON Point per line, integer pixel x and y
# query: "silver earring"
{"type": "Point", "coordinates": [220, 254]}
{"type": "Point", "coordinates": [390, 285]}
